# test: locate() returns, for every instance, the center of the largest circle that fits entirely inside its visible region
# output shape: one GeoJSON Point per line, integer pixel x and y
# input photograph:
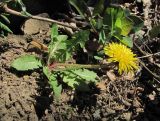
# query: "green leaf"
{"type": "Point", "coordinates": [60, 49]}
{"type": "Point", "coordinates": [119, 12]}
{"type": "Point", "coordinates": [5, 18]}
{"type": "Point", "coordinates": [124, 25]}
{"type": "Point", "coordinates": [86, 74]}
{"type": "Point", "coordinates": [57, 89]}
{"type": "Point", "coordinates": [75, 78]}
{"type": "Point", "coordinates": [81, 37]}
{"type": "Point", "coordinates": [117, 20]}
{"type": "Point", "coordinates": [98, 9]}
{"type": "Point", "coordinates": [99, 23]}
{"type": "Point", "coordinates": [46, 71]}
{"type": "Point", "coordinates": [98, 58]}
{"type": "Point", "coordinates": [4, 27]}
{"type": "Point", "coordinates": [26, 62]}
{"type": "Point", "coordinates": [107, 20]}
{"type": "Point", "coordinates": [111, 14]}
{"type": "Point", "coordinates": [23, 7]}
{"type": "Point", "coordinates": [80, 6]}
{"type": "Point", "coordinates": [125, 40]}
{"type": "Point", "coordinates": [71, 80]}
{"type": "Point", "coordinates": [54, 31]}
{"type": "Point", "coordinates": [109, 17]}
{"type": "Point", "coordinates": [76, 83]}
{"type": "Point", "coordinates": [155, 31]}
{"type": "Point", "coordinates": [138, 23]}
{"type": "Point", "coordinates": [57, 48]}
{"type": "Point", "coordinates": [102, 37]}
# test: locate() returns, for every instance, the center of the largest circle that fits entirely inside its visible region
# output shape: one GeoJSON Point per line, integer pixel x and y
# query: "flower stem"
{"type": "Point", "coordinates": [64, 66]}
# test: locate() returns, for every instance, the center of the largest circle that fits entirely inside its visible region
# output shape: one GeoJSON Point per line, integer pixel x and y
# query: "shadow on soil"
{"type": "Point", "coordinates": [151, 106]}
{"type": "Point", "coordinates": [43, 98]}
{"type": "Point", "coordinates": [85, 100]}
{"type": "Point", "coordinates": [82, 100]}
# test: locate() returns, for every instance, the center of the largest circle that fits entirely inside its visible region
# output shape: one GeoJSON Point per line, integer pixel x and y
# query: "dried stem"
{"type": "Point", "coordinates": [65, 66]}
{"type": "Point", "coordinates": [13, 12]}
{"type": "Point", "coordinates": [152, 73]}
{"type": "Point", "coordinates": [149, 55]}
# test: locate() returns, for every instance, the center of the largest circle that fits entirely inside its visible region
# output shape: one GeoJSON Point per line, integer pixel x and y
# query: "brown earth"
{"type": "Point", "coordinates": [27, 96]}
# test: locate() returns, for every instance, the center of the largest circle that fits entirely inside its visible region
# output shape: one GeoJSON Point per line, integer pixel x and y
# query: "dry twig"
{"type": "Point", "coordinates": [149, 55]}
{"type": "Point", "coordinates": [13, 12]}
{"type": "Point", "coordinates": [153, 74]}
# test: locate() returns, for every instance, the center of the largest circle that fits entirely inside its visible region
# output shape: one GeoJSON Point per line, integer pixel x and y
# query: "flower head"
{"type": "Point", "coordinates": [123, 55]}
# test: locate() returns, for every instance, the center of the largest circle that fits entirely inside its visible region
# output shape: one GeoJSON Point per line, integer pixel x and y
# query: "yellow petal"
{"type": "Point", "coordinates": [123, 55]}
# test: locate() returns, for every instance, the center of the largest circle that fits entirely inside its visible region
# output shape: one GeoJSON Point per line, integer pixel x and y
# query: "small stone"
{"type": "Point", "coordinates": [32, 26]}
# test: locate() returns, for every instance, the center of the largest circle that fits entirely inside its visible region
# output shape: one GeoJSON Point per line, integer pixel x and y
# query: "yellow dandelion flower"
{"type": "Point", "coordinates": [123, 55]}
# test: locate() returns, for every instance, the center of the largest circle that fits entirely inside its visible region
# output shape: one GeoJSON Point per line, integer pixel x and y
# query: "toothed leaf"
{"type": "Point", "coordinates": [26, 62]}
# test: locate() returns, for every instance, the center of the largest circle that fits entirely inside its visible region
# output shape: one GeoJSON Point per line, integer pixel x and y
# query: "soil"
{"type": "Point", "coordinates": [27, 96]}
